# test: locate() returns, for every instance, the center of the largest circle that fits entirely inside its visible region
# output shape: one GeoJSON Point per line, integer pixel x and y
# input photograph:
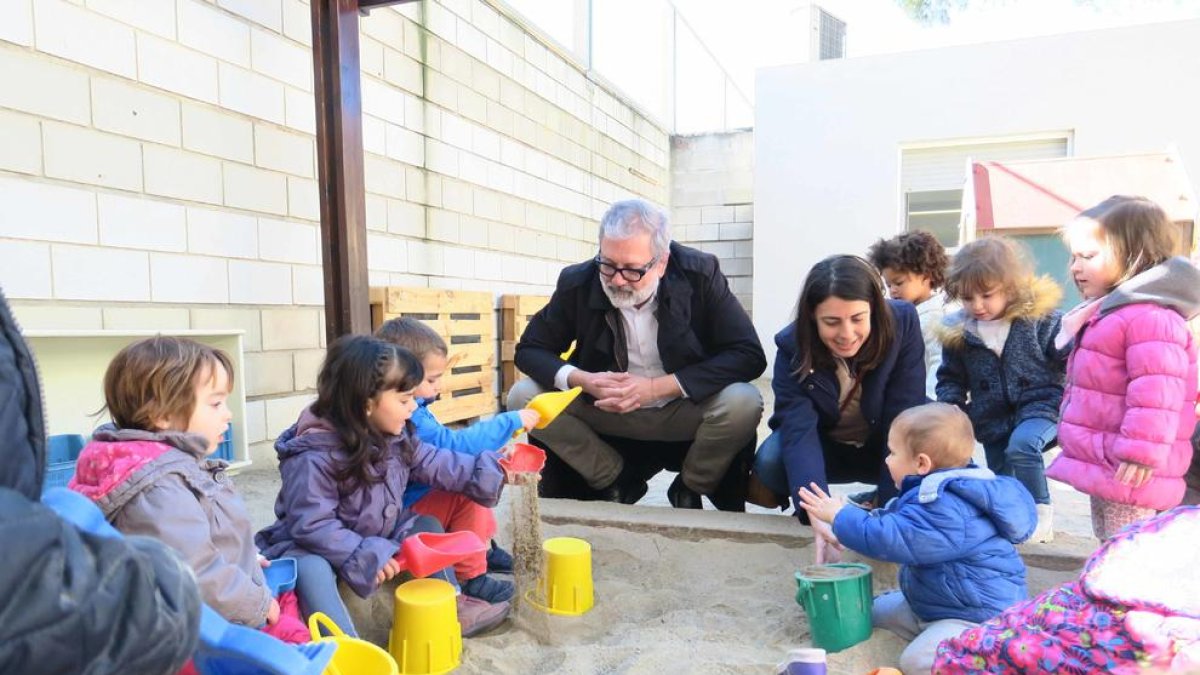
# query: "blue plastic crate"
{"type": "Point", "coordinates": [225, 447]}
{"type": "Point", "coordinates": [61, 452]}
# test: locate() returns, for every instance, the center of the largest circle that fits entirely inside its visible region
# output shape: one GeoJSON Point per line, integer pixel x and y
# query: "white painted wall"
{"type": "Point", "coordinates": [828, 135]}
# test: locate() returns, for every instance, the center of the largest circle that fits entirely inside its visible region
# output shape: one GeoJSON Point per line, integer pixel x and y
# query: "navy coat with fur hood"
{"type": "Point", "coordinates": [1024, 382]}
{"type": "Point", "coordinates": [952, 531]}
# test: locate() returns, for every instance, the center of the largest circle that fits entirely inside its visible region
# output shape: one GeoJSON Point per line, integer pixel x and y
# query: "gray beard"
{"type": "Point", "coordinates": [627, 299]}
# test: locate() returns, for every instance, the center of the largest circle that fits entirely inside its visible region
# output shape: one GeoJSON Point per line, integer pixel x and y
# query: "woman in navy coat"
{"type": "Point", "coordinates": [850, 362]}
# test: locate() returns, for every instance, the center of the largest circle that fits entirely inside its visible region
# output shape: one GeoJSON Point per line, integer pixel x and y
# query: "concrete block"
{"type": "Point", "coordinates": [737, 266]}
{"type": "Point", "coordinates": [441, 90]}
{"type": "Point", "coordinates": [307, 365]}
{"type": "Point", "coordinates": [375, 213]}
{"type": "Point", "coordinates": [472, 105]}
{"type": "Point", "coordinates": [486, 204]}
{"type": "Point", "coordinates": [283, 412]}
{"type": "Point", "coordinates": [743, 213]}
{"type": "Point", "coordinates": [736, 230]}
{"type": "Point", "coordinates": [304, 200]}
{"type": "Point", "coordinates": [485, 143]}
{"type": "Point", "coordinates": [16, 22]}
{"type": "Point", "coordinates": [213, 131]}
{"type": "Point", "coordinates": [443, 226]}
{"type": "Point", "coordinates": [222, 233]}
{"type": "Point", "coordinates": [58, 316]}
{"type": "Point", "coordinates": [384, 177]}
{"type": "Point", "coordinates": [130, 222]}
{"type": "Point", "coordinates": [167, 65]}
{"type": "Point", "coordinates": [416, 112]}
{"type": "Point", "coordinates": [207, 29]}
{"type": "Point", "coordinates": [268, 13]}
{"type": "Point", "coordinates": [260, 283]}
{"type": "Point", "coordinates": [158, 18]}
{"type": "Point", "coordinates": [441, 158]}
{"type": "Point", "coordinates": [472, 168]}
{"type": "Point", "coordinates": [126, 274]}
{"type": "Point", "coordinates": [456, 131]}
{"type": "Point", "coordinates": [744, 249]}
{"type": "Point", "coordinates": [405, 146]}
{"type": "Point", "coordinates": [26, 270]}
{"type": "Point", "coordinates": [425, 258]}
{"type": "Point", "coordinates": [472, 41]}
{"type": "Point", "coordinates": [145, 318]}
{"type": "Point", "coordinates": [387, 253]}
{"type": "Point", "coordinates": [181, 174]}
{"type": "Point", "coordinates": [20, 143]}
{"type": "Point", "coordinates": [86, 156]}
{"type": "Point", "coordinates": [403, 72]}
{"type": "Point", "coordinates": [184, 278]}
{"type": "Point", "coordinates": [488, 266]}
{"type": "Point", "coordinates": [459, 262]}
{"type": "Point", "coordinates": [284, 151]}
{"type": "Point", "coordinates": [501, 237]}
{"type": "Point", "coordinates": [308, 285]}
{"type": "Point", "coordinates": [47, 212]}
{"type": "Point", "coordinates": [300, 110]}
{"type": "Point", "coordinates": [686, 215]}
{"type": "Point", "coordinates": [247, 320]}
{"type": "Point", "coordinates": [290, 329]}
{"type": "Point", "coordinates": [79, 35]}
{"type": "Point", "coordinates": [472, 232]}
{"type": "Point", "coordinates": [385, 26]}
{"type": "Point", "coordinates": [268, 373]}
{"type": "Point", "coordinates": [281, 59]}
{"type": "Point", "coordinates": [406, 218]}
{"type": "Point", "coordinates": [374, 133]}
{"type": "Point", "coordinates": [284, 241]}
{"type": "Point", "coordinates": [382, 100]}
{"type": "Point", "coordinates": [255, 189]}
{"type": "Point", "coordinates": [512, 211]}
{"type": "Point", "coordinates": [256, 420]}
{"type": "Point", "coordinates": [297, 21]}
{"type": "Point", "coordinates": [134, 111]}
{"type": "Point", "coordinates": [250, 93]}
{"type": "Point", "coordinates": [709, 232]}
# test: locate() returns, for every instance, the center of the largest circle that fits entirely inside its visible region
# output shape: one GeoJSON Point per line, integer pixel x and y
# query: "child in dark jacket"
{"type": "Point", "coordinates": [455, 511]}
{"type": "Point", "coordinates": [952, 530]}
{"type": "Point", "coordinates": [1000, 363]}
{"type": "Point", "coordinates": [150, 474]}
{"type": "Point", "coordinates": [345, 466]}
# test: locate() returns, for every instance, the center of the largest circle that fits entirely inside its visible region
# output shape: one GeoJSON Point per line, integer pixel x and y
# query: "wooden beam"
{"type": "Point", "coordinates": [337, 90]}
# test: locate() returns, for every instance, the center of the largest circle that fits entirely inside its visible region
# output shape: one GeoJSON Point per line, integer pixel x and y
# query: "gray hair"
{"type": "Point", "coordinates": [626, 218]}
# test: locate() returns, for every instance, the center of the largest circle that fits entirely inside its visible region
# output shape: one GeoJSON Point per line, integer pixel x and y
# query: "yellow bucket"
{"type": "Point", "coordinates": [568, 582]}
{"type": "Point", "coordinates": [426, 638]}
{"type": "Point", "coordinates": [353, 656]}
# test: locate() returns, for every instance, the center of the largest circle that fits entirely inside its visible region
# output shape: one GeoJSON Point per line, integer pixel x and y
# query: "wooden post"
{"type": "Point", "coordinates": [336, 85]}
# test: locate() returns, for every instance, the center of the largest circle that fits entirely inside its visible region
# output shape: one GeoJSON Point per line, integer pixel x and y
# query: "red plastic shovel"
{"type": "Point", "coordinates": [524, 458]}
{"type": "Point", "coordinates": [424, 553]}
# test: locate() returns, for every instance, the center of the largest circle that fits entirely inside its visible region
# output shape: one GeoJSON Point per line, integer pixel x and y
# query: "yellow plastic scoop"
{"type": "Point", "coordinates": [550, 404]}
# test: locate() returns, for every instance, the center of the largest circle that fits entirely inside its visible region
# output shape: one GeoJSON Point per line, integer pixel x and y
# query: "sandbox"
{"type": "Point", "coordinates": [698, 592]}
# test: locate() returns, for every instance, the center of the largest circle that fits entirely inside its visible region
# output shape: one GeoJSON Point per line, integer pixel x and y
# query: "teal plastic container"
{"type": "Point", "coordinates": [837, 599]}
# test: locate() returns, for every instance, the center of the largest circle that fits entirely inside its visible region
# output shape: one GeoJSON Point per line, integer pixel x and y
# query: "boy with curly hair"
{"type": "Point", "coordinates": [914, 266]}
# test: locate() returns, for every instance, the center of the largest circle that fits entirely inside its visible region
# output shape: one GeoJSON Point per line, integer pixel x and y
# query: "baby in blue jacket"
{"type": "Point", "coordinates": [952, 529]}
{"type": "Point", "coordinates": [453, 510]}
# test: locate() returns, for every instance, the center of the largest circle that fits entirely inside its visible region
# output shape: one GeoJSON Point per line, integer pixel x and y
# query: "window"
{"type": "Point", "coordinates": [932, 179]}
{"type": "Point", "coordinates": [831, 36]}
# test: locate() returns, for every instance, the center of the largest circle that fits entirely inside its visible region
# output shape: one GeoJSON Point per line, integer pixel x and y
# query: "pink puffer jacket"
{"type": "Point", "coordinates": [1130, 396]}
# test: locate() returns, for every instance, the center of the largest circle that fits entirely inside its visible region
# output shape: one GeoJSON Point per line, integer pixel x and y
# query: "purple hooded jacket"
{"type": "Point", "coordinates": [358, 531]}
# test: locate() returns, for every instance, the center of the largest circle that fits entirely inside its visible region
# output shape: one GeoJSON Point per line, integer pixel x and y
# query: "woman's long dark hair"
{"type": "Point", "coordinates": [847, 277]}
{"type": "Point", "coordinates": [358, 368]}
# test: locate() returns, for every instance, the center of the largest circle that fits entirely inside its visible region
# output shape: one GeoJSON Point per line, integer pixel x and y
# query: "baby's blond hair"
{"type": "Point", "coordinates": [940, 430]}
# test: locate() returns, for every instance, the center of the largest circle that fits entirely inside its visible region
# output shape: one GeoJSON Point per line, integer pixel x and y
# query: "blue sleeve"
{"type": "Point", "coordinates": [796, 421]}
{"type": "Point", "coordinates": [910, 534]}
{"type": "Point", "coordinates": [480, 437]}
{"type": "Point", "coordinates": [905, 387]}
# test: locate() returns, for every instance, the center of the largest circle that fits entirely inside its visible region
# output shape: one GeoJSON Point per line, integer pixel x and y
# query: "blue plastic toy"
{"type": "Point", "coordinates": [281, 575]}
{"type": "Point", "coordinates": [225, 648]}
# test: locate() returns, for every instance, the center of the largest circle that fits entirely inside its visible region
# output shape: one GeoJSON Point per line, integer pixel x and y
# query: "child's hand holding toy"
{"type": "Point", "coordinates": [822, 508]}
{"type": "Point", "coordinates": [390, 569]}
{"type": "Point", "coordinates": [529, 418]}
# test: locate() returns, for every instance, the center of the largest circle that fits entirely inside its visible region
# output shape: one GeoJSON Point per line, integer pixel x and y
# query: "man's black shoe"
{"type": "Point", "coordinates": [683, 497]}
{"type": "Point", "coordinates": [626, 489]}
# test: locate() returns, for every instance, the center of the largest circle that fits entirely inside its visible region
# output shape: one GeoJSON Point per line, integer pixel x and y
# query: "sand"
{"type": "Point", "coordinates": [666, 605]}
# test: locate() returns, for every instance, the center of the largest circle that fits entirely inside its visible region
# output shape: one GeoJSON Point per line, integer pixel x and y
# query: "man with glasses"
{"type": "Point", "coordinates": [663, 351]}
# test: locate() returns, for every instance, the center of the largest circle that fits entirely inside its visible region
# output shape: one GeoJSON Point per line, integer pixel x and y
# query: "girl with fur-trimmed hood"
{"type": "Point", "coordinates": [1000, 363]}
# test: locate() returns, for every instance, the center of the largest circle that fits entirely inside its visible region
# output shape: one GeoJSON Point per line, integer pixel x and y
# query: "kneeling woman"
{"type": "Point", "coordinates": [849, 364]}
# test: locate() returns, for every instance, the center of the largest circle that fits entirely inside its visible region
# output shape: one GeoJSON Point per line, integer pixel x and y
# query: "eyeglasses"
{"type": "Point", "coordinates": [627, 273]}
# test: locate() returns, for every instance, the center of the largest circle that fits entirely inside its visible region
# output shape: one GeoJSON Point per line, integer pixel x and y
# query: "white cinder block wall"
{"type": "Point", "coordinates": [712, 201]}
{"type": "Point", "coordinates": [157, 168]}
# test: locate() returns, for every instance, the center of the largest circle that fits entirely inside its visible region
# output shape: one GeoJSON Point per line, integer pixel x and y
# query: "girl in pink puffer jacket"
{"type": "Point", "coordinates": [1129, 406]}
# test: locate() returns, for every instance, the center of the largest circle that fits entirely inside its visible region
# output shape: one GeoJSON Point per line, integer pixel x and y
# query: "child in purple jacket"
{"type": "Point", "coordinates": [345, 465]}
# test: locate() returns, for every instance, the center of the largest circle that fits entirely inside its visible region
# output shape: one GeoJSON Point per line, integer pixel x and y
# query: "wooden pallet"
{"type": "Point", "coordinates": [515, 313]}
{"type": "Point", "coordinates": [466, 321]}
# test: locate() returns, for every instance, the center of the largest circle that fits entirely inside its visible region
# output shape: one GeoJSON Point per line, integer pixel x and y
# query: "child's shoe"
{"type": "Point", "coordinates": [499, 560]}
{"type": "Point", "coordinates": [488, 589]}
{"type": "Point", "coordinates": [477, 616]}
{"type": "Point", "coordinates": [804, 661]}
{"type": "Point", "coordinates": [1044, 532]}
